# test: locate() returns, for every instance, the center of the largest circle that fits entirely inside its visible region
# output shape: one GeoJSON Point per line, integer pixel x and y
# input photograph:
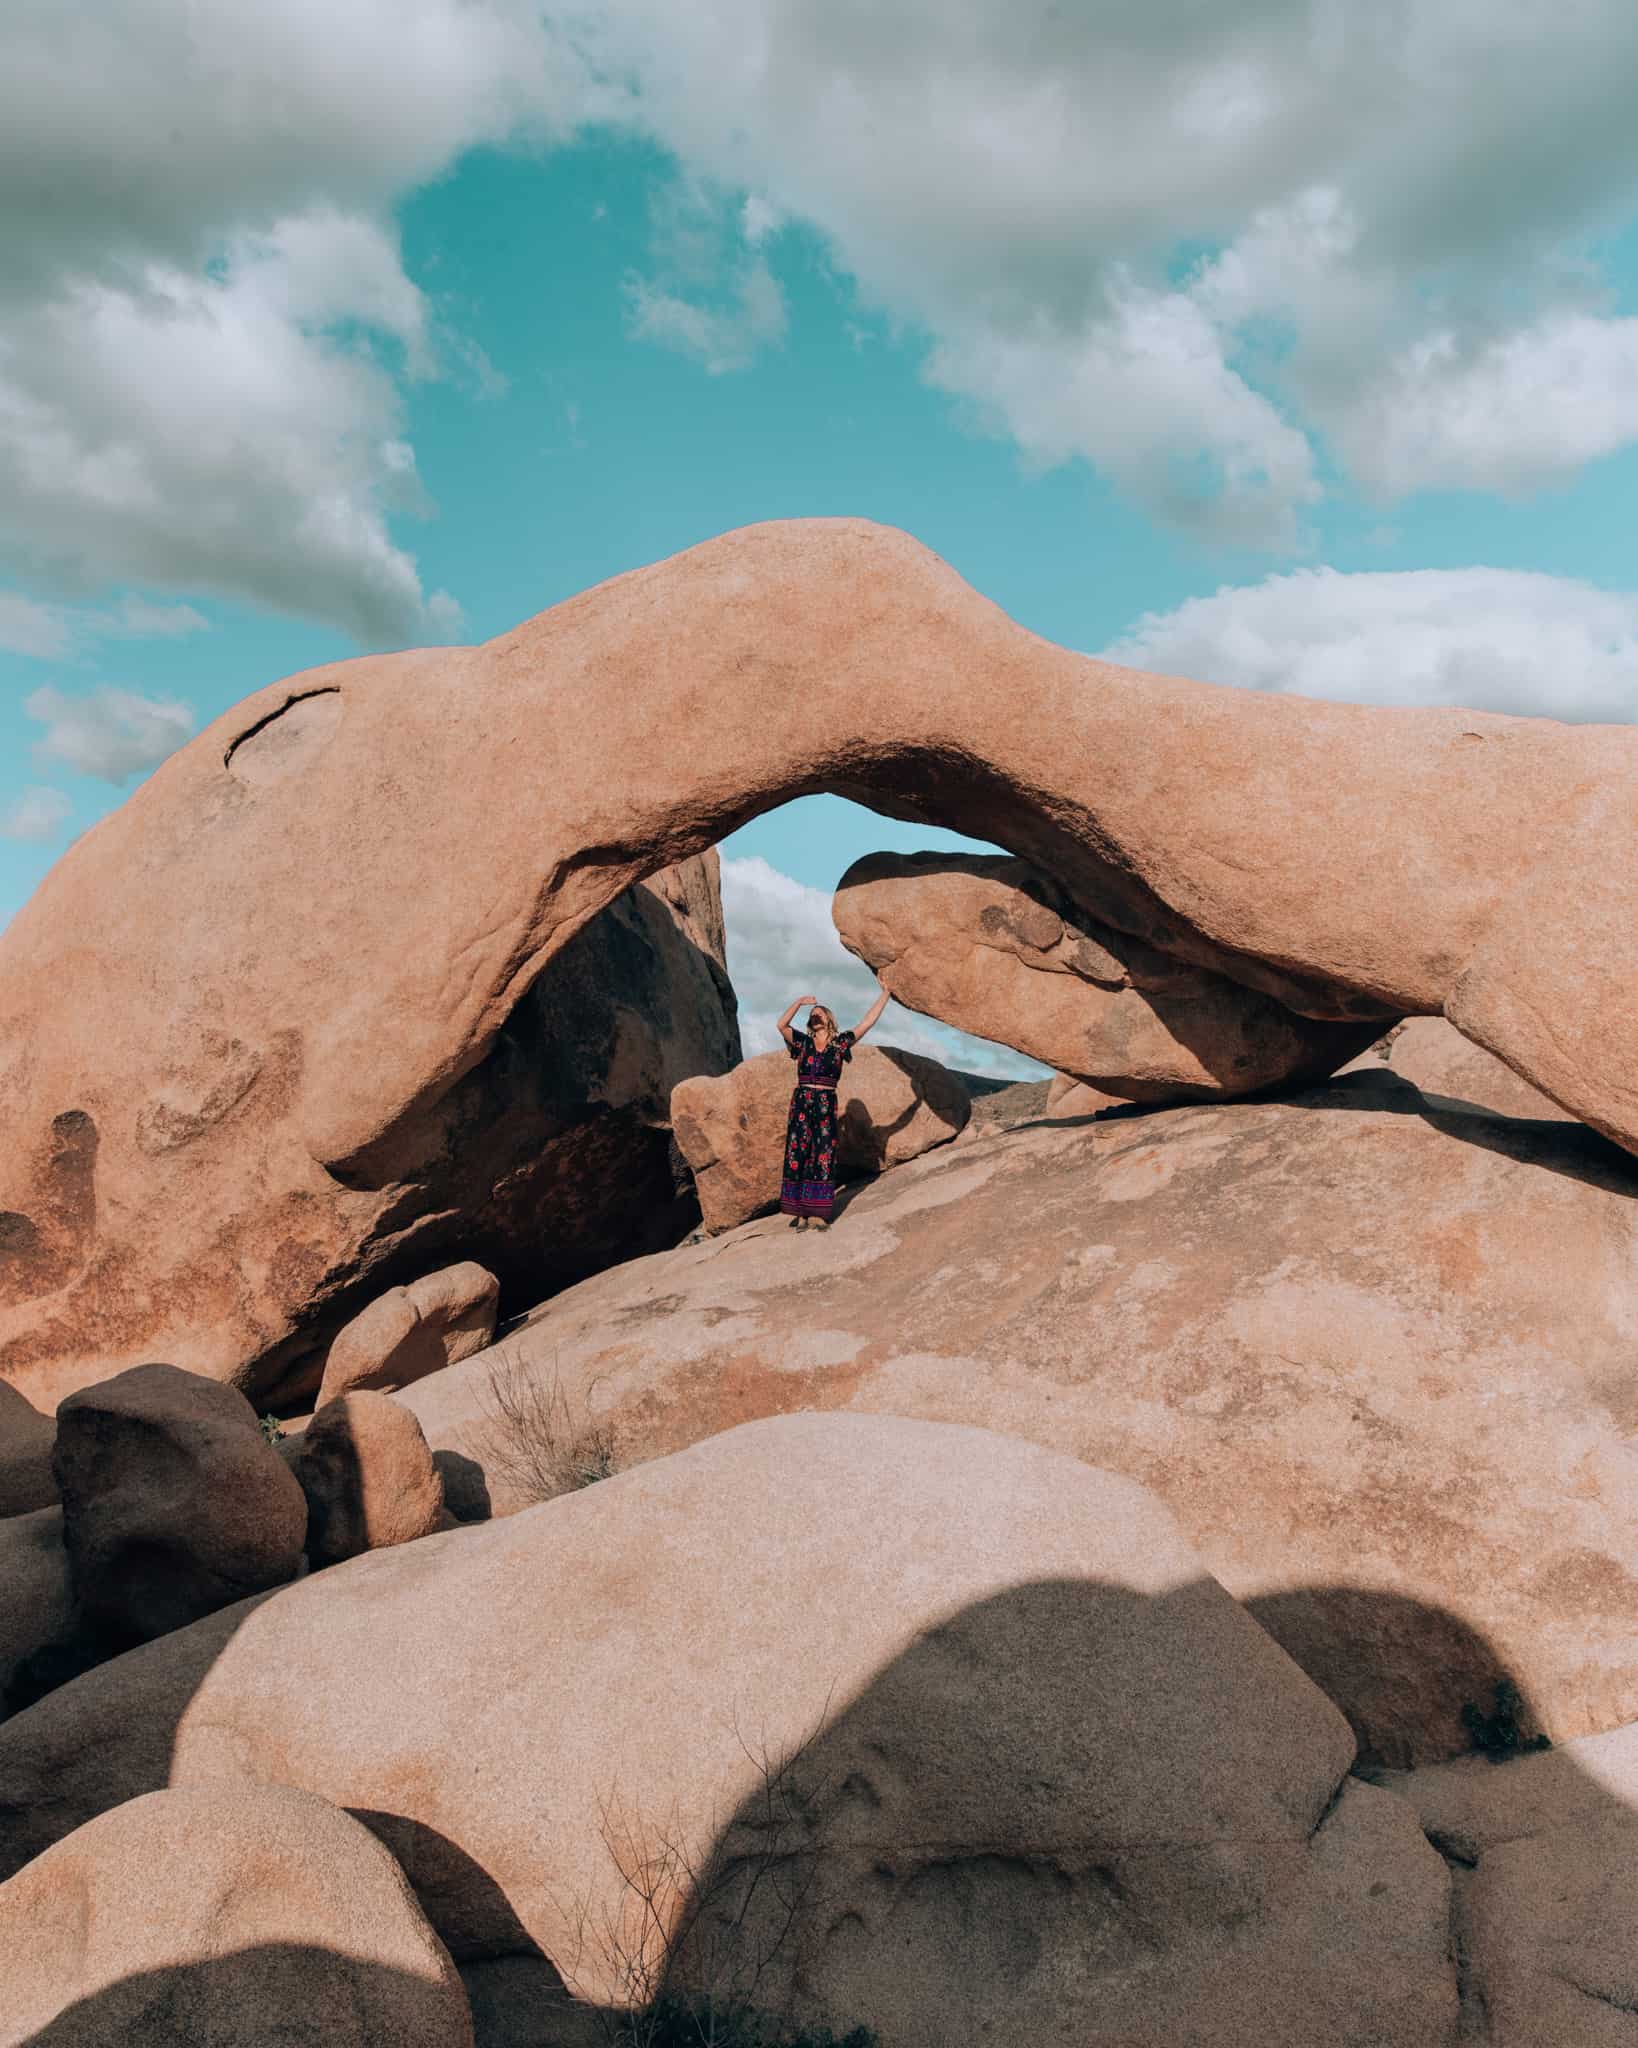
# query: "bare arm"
{"type": "Point", "coordinates": [785, 1021]}
{"type": "Point", "coordinates": [870, 1015]}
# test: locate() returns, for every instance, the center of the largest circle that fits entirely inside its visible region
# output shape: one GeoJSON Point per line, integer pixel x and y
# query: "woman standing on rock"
{"type": "Point", "coordinates": [809, 1186]}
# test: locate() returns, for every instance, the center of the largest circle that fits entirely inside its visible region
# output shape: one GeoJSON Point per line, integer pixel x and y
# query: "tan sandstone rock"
{"type": "Point", "coordinates": [242, 1257]}
{"type": "Point", "coordinates": [368, 1476]}
{"type": "Point", "coordinates": [1069, 1097]}
{"type": "Point", "coordinates": [1434, 1057]}
{"type": "Point", "coordinates": [233, 1105]}
{"type": "Point", "coordinates": [1544, 1849]}
{"type": "Point", "coordinates": [410, 1331]}
{"type": "Point", "coordinates": [990, 945]}
{"type": "Point", "coordinates": [1035, 1774]}
{"type": "Point", "coordinates": [890, 1106]}
{"type": "Point", "coordinates": [1374, 1352]}
{"type": "Point", "coordinates": [174, 1503]}
{"type": "Point", "coordinates": [223, 1916]}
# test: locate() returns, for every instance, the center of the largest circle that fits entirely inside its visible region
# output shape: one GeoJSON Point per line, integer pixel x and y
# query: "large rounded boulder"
{"type": "Point", "coordinates": [223, 1916]}
{"type": "Point", "coordinates": [1374, 1349]}
{"type": "Point", "coordinates": [914, 1726]}
{"type": "Point", "coordinates": [992, 946]}
{"type": "Point", "coordinates": [174, 1502]}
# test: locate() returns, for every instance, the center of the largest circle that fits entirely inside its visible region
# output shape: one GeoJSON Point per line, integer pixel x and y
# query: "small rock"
{"type": "Point", "coordinates": [368, 1477]}
{"type": "Point", "coordinates": [411, 1331]}
{"type": "Point", "coordinates": [174, 1502]}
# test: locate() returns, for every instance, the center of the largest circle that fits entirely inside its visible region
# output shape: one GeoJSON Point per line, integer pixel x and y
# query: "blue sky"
{"type": "Point", "coordinates": [1257, 349]}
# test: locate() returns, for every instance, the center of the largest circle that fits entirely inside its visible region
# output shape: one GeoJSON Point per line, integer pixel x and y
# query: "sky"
{"type": "Point", "coordinates": [1288, 344]}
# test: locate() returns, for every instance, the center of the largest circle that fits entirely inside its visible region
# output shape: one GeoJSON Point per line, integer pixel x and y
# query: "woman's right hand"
{"type": "Point", "coordinates": [804, 999]}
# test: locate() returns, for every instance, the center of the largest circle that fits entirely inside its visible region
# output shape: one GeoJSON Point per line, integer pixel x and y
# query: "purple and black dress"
{"type": "Point", "coordinates": [809, 1187]}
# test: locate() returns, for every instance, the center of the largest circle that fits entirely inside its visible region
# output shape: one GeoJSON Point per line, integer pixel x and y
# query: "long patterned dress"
{"type": "Point", "coordinates": [809, 1186]}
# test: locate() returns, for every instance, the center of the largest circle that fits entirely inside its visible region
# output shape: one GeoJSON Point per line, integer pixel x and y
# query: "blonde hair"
{"type": "Point", "coordinates": [828, 1016]}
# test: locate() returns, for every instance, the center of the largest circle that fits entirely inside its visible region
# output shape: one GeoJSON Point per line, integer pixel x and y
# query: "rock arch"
{"type": "Point", "coordinates": [357, 918]}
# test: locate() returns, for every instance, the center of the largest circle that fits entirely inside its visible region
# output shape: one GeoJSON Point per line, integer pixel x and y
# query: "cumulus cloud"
{"type": "Point", "coordinates": [30, 628]}
{"type": "Point", "coordinates": [109, 733]}
{"type": "Point", "coordinates": [58, 632]}
{"type": "Point", "coordinates": [782, 943]}
{"type": "Point", "coordinates": [205, 312]}
{"type": "Point", "coordinates": [1487, 639]}
{"type": "Point", "coordinates": [1182, 242]}
{"type": "Point", "coordinates": [39, 813]}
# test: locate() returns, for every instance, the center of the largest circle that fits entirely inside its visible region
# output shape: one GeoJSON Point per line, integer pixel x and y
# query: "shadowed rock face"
{"type": "Point", "coordinates": [988, 945]}
{"type": "Point", "coordinates": [237, 1018]}
{"type": "Point", "coordinates": [993, 1739]}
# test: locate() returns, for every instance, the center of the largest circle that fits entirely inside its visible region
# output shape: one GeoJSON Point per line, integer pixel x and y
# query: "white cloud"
{"type": "Point", "coordinates": [1509, 414]}
{"type": "Point", "coordinates": [1181, 241]}
{"type": "Point", "coordinates": [782, 943]}
{"type": "Point", "coordinates": [204, 310]}
{"type": "Point", "coordinates": [30, 628]}
{"type": "Point", "coordinates": [39, 813]}
{"type": "Point", "coordinates": [109, 733]}
{"type": "Point", "coordinates": [193, 429]}
{"type": "Point", "coordinates": [138, 618]}
{"type": "Point", "coordinates": [57, 632]}
{"type": "Point", "coordinates": [1486, 639]}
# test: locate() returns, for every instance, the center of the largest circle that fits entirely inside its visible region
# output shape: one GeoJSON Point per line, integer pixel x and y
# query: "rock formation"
{"type": "Point", "coordinates": [991, 946]}
{"type": "Point", "coordinates": [890, 1106]}
{"type": "Point", "coordinates": [234, 1105]}
{"type": "Point", "coordinates": [1008, 1759]}
{"type": "Point", "coordinates": [37, 1614]}
{"type": "Point", "coordinates": [174, 1503]}
{"type": "Point", "coordinates": [368, 1478]}
{"type": "Point", "coordinates": [1434, 1057]}
{"type": "Point", "coordinates": [1546, 1912]}
{"type": "Point", "coordinates": [26, 1438]}
{"type": "Point", "coordinates": [238, 1254]}
{"type": "Point", "coordinates": [1326, 1331]}
{"type": "Point", "coordinates": [410, 1331]}
{"type": "Point", "coordinates": [223, 1916]}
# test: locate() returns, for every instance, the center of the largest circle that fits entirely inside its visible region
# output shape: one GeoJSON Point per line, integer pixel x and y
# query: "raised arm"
{"type": "Point", "coordinates": [785, 1021]}
{"type": "Point", "coordinates": [871, 1014]}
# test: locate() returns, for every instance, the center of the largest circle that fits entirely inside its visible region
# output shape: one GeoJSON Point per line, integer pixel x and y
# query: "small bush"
{"type": "Point", "coordinates": [1500, 1733]}
{"type": "Point", "coordinates": [271, 1429]}
{"type": "Point", "coordinates": [540, 1451]}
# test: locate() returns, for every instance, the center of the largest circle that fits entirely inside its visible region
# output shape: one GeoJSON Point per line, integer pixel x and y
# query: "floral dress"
{"type": "Point", "coordinates": [809, 1186]}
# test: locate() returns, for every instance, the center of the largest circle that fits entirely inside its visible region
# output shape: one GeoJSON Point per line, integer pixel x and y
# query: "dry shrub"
{"type": "Point", "coordinates": [700, 1951]}
{"type": "Point", "coordinates": [540, 1449]}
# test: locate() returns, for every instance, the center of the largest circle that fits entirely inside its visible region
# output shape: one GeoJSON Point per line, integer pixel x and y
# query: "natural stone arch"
{"type": "Point", "coordinates": [351, 922]}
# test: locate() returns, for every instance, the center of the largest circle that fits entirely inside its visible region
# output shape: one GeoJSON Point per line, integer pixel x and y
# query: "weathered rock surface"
{"type": "Point", "coordinates": [223, 1916]}
{"type": "Point", "coordinates": [1434, 1056]}
{"type": "Point", "coordinates": [1544, 1851]}
{"type": "Point", "coordinates": [992, 946]}
{"type": "Point", "coordinates": [36, 1594]}
{"type": "Point", "coordinates": [174, 1503]}
{"type": "Point", "coordinates": [890, 1106]}
{"type": "Point", "coordinates": [26, 1438]}
{"type": "Point", "coordinates": [1323, 1330]}
{"type": "Point", "coordinates": [410, 1331]}
{"type": "Point", "coordinates": [1027, 1768]}
{"type": "Point", "coordinates": [200, 1226]}
{"type": "Point", "coordinates": [1067, 1097]}
{"type": "Point", "coordinates": [368, 1477]}
{"type": "Point", "coordinates": [190, 1034]}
